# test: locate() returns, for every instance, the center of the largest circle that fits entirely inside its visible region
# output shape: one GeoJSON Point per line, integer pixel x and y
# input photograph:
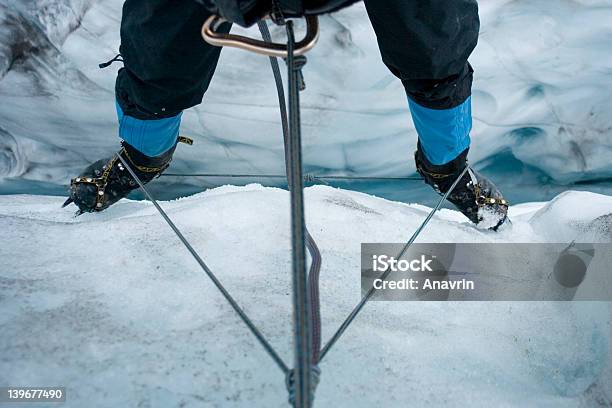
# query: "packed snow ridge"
{"type": "Point", "coordinates": [541, 95]}
{"type": "Point", "coordinates": [111, 306]}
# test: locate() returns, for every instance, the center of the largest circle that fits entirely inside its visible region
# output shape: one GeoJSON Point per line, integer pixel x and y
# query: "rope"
{"type": "Point", "coordinates": [307, 177]}
{"type": "Point", "coordinates": [258, 335]}
{"type": "Point", "coordinates": [351, 317]}
{"type": "Point", "coordinates": [302, 371]}
{"type": "Point", "coordinates": [315, 266]}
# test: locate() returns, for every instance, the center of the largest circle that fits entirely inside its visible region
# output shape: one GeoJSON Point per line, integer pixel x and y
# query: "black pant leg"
{"type": "Point", "coordinates": [167, 64]}
{"type": "Point", "coordinates": [426, 43]}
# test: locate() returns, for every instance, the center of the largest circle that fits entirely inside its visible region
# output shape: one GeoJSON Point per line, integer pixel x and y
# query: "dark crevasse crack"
{"type": "Point", "coordinates": [59, 18]}
{"type": "Point", "coordinates": [12, 161]}
{"type": "Point", "coordinates": [24, 34]}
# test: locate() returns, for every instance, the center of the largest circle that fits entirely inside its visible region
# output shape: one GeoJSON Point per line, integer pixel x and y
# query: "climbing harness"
{"type": "Point", "coordinates": [301, 380]}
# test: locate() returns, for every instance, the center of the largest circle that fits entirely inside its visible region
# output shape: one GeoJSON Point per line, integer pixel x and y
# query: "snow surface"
{"type": "Point", "coordinates": [112, 306]}
{"type": "Point", "coordinates": [541, 98]}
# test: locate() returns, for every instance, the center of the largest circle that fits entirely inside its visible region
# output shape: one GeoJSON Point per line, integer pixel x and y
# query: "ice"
{"type": "Point", "coordinates": [573, 215]}
{"type": "Point", "coordinates": [111, 306]}
{"type": "Point", "coordinates": [541, 98]}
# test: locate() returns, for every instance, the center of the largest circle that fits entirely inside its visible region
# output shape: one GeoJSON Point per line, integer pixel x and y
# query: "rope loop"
{"type": "Point", "coordinates": [315, 375]}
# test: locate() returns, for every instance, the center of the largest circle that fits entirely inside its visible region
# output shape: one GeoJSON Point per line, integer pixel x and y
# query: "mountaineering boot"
{"type": "Point", "coordinates": [106, 181]}
{"type": "Point", "coordinates": [475, 195]}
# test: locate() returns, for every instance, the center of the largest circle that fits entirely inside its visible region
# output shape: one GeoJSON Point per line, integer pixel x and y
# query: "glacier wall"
{"type": "Point", "coordinates": [541, 98]}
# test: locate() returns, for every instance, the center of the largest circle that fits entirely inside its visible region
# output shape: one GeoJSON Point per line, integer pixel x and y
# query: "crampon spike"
{"type": "Point", "coordinates": [67, 202]}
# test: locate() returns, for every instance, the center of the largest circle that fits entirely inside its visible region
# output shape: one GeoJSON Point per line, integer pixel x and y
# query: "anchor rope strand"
{"type": "Point", "coordinates": [247, 321]}
{"type": "Point", "coordinates": [351, 317]}
{"type": "Point", "coordinates": [315, 254]}
{"type": "Point", "coordinates": [307, 176]}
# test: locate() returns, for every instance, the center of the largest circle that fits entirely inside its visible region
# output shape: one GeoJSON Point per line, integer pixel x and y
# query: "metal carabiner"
{"type": "Point", "coordinates": [260, 47]}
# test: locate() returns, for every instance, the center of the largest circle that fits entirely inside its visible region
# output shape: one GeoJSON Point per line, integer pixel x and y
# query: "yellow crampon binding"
{"type": "Point", "coordinates": [101, 182]}
{"type": "Point", "coordinates": [482, 200]}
